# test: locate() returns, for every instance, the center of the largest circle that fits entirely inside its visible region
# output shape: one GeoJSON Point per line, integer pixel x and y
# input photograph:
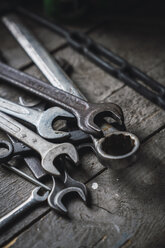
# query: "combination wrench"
{"type": "Point", "coordinates": [84, 111]}
{"type": "Point", "coordinates": [49, 93]}
{"type": "Point", "coordinates": [117, 146]}
{"type": "Point", "coordinates": [37, 197]}
{"type": "Point", "coordinates": [47, 150]}
{"type": "Point", "coordinates": [42, 120]}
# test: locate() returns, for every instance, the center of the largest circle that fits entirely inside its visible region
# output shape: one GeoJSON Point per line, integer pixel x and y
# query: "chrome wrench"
{"type": "Point", "coordinates": [117, 156]}
{"type": "Point", "coordinates": [48, 151]}
{"type": "Point", "coordinates": [42, 120]}
{"type": "Point", "coordinates": [36, 198]}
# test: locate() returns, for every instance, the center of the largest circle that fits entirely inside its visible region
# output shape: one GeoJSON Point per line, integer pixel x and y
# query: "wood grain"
{"type": "Point", "coordinates": [127, 207]}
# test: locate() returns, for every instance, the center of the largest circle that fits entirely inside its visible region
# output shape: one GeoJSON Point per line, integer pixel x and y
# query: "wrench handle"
{"type": "Point", "coordinates": [47, 92]}
{"type": "Point", "coordinates": [23, 134]}
{"type": "Point", "coordinates": [27, 114]}
{"type": "Point", "coordinates": [38, 54]}
{"type": "Point", "coordinates": [12, 216]}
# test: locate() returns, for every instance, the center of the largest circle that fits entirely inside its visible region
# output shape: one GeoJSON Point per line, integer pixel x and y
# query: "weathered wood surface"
{"type": "Point", "coordinates": [127, 207]}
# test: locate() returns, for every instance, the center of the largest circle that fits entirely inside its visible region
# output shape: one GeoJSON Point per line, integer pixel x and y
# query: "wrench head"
{"type": "Point", "coordinates": [98, 111]}
{"type": "Point", "coordinates": [118, 150]}
{"type": "Point", "coordinates": [6, 156]}
{"type": "Point", "coordinates": [39, 195]}
{"type": "Point", "coordinates": [56, 151]}
{"type": "Point", "coordinates": [45, 123]}
{"type": "Point", "coordinates": [56, 196]}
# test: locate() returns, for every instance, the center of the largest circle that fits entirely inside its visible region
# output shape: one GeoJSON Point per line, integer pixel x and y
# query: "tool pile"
{"type": "Point", "coordinates": [47, 151]}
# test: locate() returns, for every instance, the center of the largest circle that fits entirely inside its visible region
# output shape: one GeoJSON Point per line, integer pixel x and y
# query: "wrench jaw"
{"type": "Point", "coordinates": [56, 196]}
{"type": "Point", "coordinates": [56, 151]}
{"type": "Point", "coordinates": [60, 195]}
{"type": "Point", "coordinates": [97, 112]}
{"type": "Point", "coordinates": [45, 123]}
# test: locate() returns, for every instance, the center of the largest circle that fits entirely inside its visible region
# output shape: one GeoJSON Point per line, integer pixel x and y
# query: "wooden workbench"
{"type": "Point", "coordinates": [127, 207]}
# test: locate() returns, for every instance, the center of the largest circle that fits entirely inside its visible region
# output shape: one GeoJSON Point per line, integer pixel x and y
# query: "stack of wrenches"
{"type": "Point", "coordinates": [114, 148]}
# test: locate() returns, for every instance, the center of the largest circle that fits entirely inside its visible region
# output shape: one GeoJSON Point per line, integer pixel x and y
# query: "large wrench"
{"type": "Point", "coordinates": [42, 120]}
{"type": "Point", "coordinates": [35, 199]}
{"type": "Point", "coordinates": [122, 145]}
{"type": "Point", "coordinates": [48, 151]}
{"type": "Point", "coordinates": [85, 112]}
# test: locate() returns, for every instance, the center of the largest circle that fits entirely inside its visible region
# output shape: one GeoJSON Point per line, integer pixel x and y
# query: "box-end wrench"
{"type": "Point", "coordinates": [117, 146]}
{"type": "Point", "coordinates": [42, 120]}
{"type": "Point", "coordinates": [37, 197]}
{"type": "Point", "coordinates": [48, 151]}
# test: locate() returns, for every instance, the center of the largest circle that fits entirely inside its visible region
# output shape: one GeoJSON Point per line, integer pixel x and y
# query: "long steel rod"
{"type": "Point", "coordinates": [25, 176]}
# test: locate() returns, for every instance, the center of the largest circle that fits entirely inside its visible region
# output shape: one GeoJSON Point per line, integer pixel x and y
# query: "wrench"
{"type": "Point", "coordinates": [63, 187]}
{"type": "Point", "coordinates": [35, 198]}
{"type": "Point", "coordinates": [16, 148]}
{"type": "Point", "coordinates": [59, 189]}
{"type": "Point", "coordinates": [85, 112]}
{"type": "Point", "coordinates": [48, 151]}
{"type": "Point", "coordinates": [117, 141]}
{"type": "Point", "coordinates": [42, 120]}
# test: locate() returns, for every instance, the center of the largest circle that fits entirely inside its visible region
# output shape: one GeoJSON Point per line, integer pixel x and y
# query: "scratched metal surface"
{"type": "Point", "coordinates": [127, 207]}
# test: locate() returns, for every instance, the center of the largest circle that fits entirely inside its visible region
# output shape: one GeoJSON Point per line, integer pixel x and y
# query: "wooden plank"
{"type": "Point", "coordinates": [137, 119]}
{"type": "Point", "coordinates": [141, 116]}
{"type": "Point", "coordinates": [137, 43]}
{"type": "Point", "coordinates": [127, 208]}
{"type": "Point", "coordinates": [15, 55]}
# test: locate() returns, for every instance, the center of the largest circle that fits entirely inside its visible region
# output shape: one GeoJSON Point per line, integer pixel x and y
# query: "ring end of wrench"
{"type": "Point", "coordinates": [118, 150]}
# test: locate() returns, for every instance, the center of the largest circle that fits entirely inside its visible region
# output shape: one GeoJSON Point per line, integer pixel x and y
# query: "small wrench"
{"type": "Point", "coordinates": [35, 199]}
{"type": "Point", "coordinates": [48, 151]}
{"type": "Point", "coordinates": [42, 120]}
{"type": "Point", "coordinates": [15, 148]}
{"type": "Point", "coordinates": [122, 145]}
{"type": "Point", "coordinates": [59, 189]}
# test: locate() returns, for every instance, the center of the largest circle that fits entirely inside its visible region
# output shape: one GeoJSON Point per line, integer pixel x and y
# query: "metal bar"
{"type": "Point", "coordinates": [24, 175]}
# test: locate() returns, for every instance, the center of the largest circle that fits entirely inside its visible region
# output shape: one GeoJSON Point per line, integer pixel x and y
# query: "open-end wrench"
{"type": "Point", "coordinates": [62, 187]}
{"type": "Point", "coordinates": [42, 120]}
{"type": "Point", "coordinates": [59, 189]}
{"type": "Point", "coordinates": [37, 197]}
{"type": "Point", "coordinates": [48, 151]}
{"type": "Point", "coordinates": [122, 145]}
{"type": "Point", "coordinates": [84, 111]}
{"type": "Point", "coordinates": [16, 148]}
